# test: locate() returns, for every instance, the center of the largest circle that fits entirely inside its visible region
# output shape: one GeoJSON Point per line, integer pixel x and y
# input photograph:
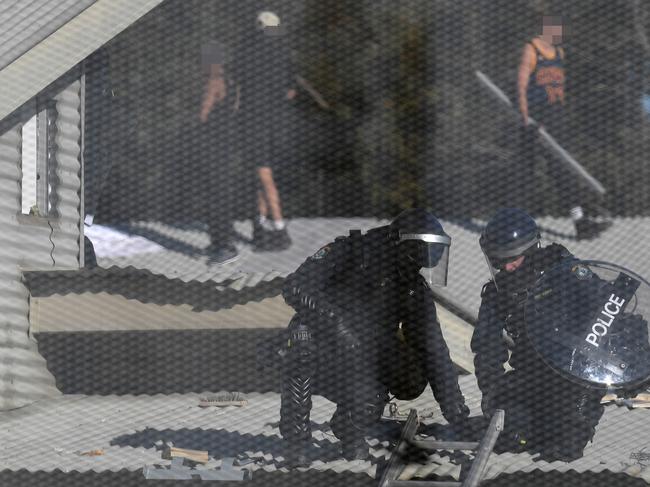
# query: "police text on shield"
{"type": "Point", "coordinates": [605, 319]}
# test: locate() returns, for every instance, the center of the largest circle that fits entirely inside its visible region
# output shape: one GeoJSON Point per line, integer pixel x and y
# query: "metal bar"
{"type": "Point", "coordinates": [445, 445]}
{"type": "Point", "coordinates": [550, 143]}
{"type": "Point", "coordinates": [546, 139]}
{"type": "Point", "coordinates": [394, 467]}
{"type": "Point", "coordinates": [479, 464]}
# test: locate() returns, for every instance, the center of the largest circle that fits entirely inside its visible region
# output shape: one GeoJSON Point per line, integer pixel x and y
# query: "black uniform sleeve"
{"type": "Point", "coordinates": [422, 331]}
{"type": "Point", "coordinates": [306, 288]}
{"type": "Point", "coordinates": [490, 350]}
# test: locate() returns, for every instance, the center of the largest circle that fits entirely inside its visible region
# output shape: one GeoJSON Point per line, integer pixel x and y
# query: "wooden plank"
{"type": "Point", "coordinates": [198, 456]}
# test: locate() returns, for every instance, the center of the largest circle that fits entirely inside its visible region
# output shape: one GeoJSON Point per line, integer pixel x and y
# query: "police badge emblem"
{"type": "Point", "coordinates": [321, 253]}
{"type": "Point", "coordinates": [582, 272]}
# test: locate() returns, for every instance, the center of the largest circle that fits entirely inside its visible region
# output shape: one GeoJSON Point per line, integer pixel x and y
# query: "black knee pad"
{"type": "Point", "coordinates": [301, 349]}
{"type": "Point", "coordinates": [354, 421]}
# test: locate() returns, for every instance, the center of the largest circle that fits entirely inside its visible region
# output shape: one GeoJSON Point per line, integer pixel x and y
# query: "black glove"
{"type": "Point", "coordinates": [488, 411]}
{"type": "Point", "coordinates": [457, 415]}
{"type": "Point", "coordinates": [489, 391]}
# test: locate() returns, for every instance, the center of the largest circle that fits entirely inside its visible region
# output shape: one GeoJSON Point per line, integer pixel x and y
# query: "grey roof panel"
{"type": "Point", "coordinates": [53, 434]}
{"type": "Point", "coordinates": [27, 22]}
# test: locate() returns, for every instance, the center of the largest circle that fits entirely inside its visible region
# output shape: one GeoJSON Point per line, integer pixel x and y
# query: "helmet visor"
{"type": "Point", "coordinates": [431, 254]}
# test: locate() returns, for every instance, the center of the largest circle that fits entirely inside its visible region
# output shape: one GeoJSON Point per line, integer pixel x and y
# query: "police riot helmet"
{"type": "Point", "coordinates": [509, 234]}
{"type": "Point", "coordinates": [422, 245]}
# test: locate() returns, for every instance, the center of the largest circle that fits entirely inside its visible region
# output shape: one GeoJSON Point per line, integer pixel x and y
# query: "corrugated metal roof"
{"type": "Point", "coordinates": [130, 430]}
{"type": "Point", "coordinates": [147, 287]}
{"type": "Point", "coordinates": [180, 255]}
{"type": "Point", "coordinates": [127, 428]}
{"type": "Point", "coordinates": [180, 251]}
{"type": "Point", "coordinates": [25, 23]}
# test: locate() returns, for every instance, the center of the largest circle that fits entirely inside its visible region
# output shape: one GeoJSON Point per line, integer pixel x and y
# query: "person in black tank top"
{"type": "Point", "coordinates": [545, 93]}
{"type": "Point", "coordinates": [541, 83]}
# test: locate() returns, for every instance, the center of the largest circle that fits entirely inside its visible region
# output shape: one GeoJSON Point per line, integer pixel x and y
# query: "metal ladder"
{"type": "Point", "coordinates": [483, 450]}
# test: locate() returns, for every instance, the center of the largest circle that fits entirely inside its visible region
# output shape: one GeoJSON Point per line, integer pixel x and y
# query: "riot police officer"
{"type": "Point", "coordinates": [365, 326]}
{"type": "Point", "coordinates": [545, 412]}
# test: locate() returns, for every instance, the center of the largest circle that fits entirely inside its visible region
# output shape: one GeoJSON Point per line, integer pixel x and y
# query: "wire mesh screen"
{"type": "Point", "coordinates": [222, 148]}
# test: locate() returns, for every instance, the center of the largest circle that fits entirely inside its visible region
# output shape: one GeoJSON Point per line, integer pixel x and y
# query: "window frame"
{"type": "Point", "coordinates": [45, 158]}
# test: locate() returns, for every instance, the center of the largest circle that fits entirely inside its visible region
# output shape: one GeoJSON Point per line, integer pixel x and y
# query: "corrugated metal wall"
{"type": "Point", "coordinates": [33, 243]}
{"type": "Point", "coordinates": [67, 188]}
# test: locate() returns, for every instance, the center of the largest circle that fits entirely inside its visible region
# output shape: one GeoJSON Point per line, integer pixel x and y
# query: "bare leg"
{"type": "Point", "coordinates": [261, 204]}
{"type": "Point", "coordinates": [271, 192]}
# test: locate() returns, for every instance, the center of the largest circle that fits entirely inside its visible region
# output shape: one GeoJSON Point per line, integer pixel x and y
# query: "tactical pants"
{"type": "Point", "coordinates": [544, 412]}
{"type": "Point", "coordinates": [318, 363]}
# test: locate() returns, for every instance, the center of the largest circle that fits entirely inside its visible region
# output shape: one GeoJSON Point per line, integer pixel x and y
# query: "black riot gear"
{"type": "Point", "coordinates": [423, 245]}
{"type": "Point", "coordinates": [373, 329]}
{"type": "Point", "coordinates": [510, 233]}
{"type": "Point", "coordinates": [545, 411]}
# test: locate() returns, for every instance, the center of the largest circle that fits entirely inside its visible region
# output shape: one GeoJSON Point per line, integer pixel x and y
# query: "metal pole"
{"type": "Point", "coordinates": [546, 139]}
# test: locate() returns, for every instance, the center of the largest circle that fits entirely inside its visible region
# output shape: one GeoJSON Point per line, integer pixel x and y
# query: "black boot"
{"type": "Point", "coordinates": [271, 240]}
{"type": "Point", "coordinates": [295, 453]}
{"type": "Point", "coordinates": [355, 450]}
{"type": "Point", "coordinates": [353, 443]}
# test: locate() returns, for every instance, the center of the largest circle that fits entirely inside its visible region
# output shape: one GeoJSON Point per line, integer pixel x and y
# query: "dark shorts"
{"type": "Point", "coordinates": [264, 138]}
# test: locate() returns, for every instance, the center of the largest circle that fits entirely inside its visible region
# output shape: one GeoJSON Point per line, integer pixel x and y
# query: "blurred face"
{"type": "Point", "coordinates": [513, 265]}
{"type": "Point", "coordinates": [551, 30]}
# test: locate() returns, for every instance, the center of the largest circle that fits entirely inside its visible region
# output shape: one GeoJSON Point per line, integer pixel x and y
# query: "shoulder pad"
{"type": "Point", "coordinates": [557, 251]}
{"type": "Point", "coordinates": [340, 239]}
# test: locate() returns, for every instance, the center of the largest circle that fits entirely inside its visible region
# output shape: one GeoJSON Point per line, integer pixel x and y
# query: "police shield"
{"type": "Point", "coordinates": [587, 321]}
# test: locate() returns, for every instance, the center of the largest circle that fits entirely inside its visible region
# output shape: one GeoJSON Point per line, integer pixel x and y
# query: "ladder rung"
{"type": "Point", "coordinates": [445, 445]}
